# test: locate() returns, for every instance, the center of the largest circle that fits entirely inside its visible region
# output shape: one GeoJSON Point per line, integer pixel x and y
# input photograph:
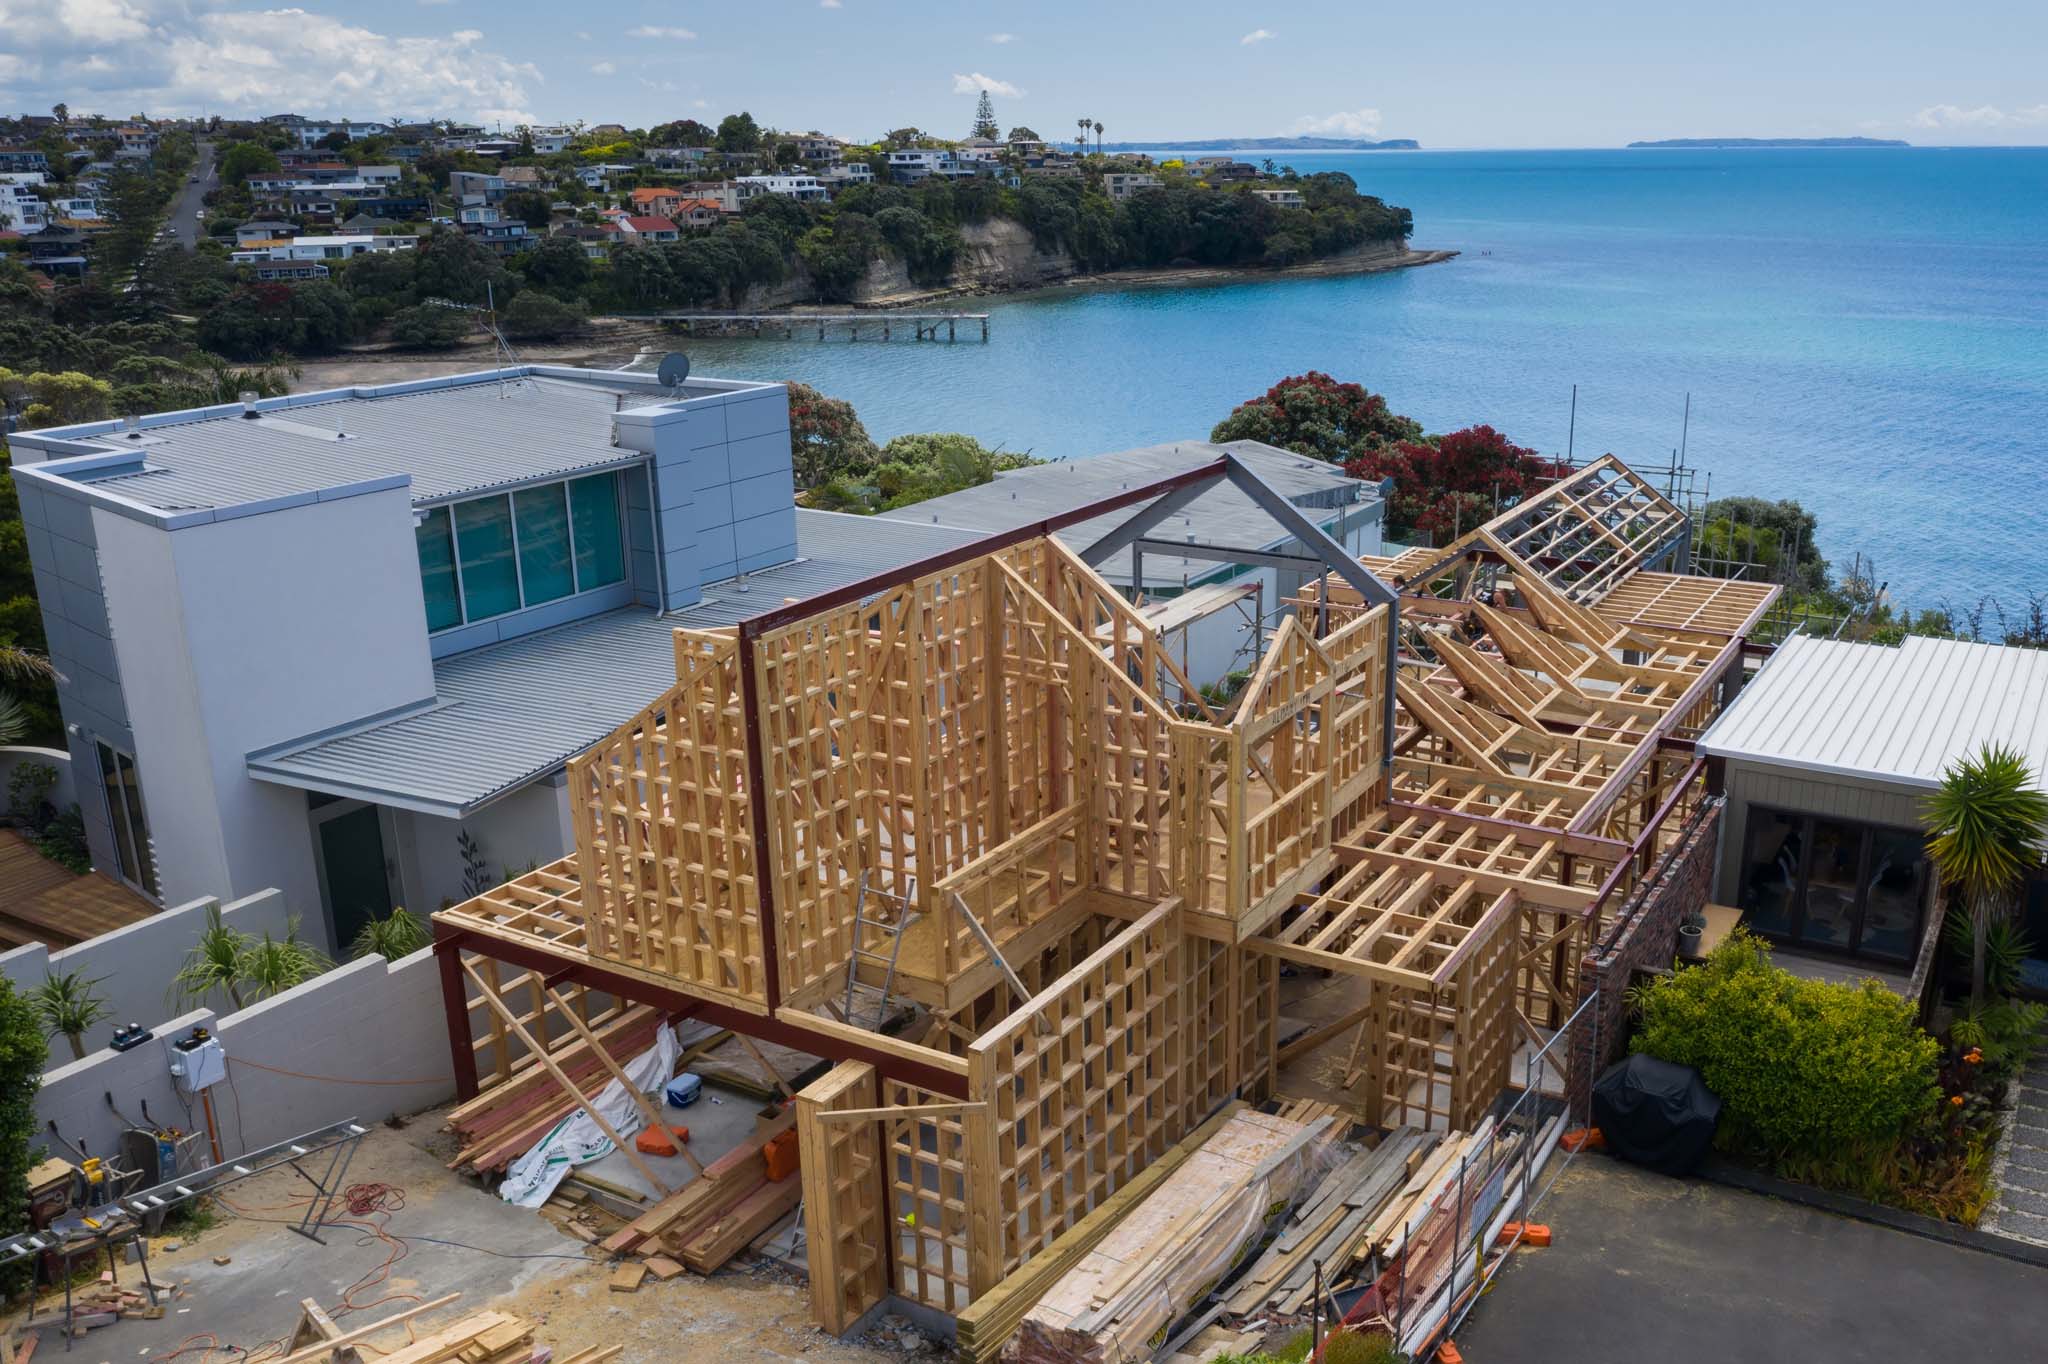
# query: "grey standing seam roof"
{"type": "Point", "coordinates": [1898, 715]}
{"type": "Point", "coordinates": [511, 712]}
{"type": "Point", "coordinates": [451, 440]}
{"type": "Point", "coordinates": [1220, 516]}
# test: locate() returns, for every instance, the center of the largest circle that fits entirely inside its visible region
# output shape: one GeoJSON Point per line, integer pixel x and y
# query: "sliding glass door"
{"type": "Point", "coordinates": [1834, 885]}
{"type": "Point", "coordinates": [123, 791]}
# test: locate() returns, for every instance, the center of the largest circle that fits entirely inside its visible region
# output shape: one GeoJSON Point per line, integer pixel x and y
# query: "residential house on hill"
{"type": "Point", "coordinates": [650, 229]}
{"type": "Point", "coordinates": [655, 201]}
{"type": "Point", "coordinates": [1123, 184]}
{"type": "Point", "coordinates": [804, 187]}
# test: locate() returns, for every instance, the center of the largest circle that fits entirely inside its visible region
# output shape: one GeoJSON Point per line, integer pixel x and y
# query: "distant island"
{"type": "Point", "coordinates": [1269, 144]}
{"type": "Point", "coordinates": [1712, 142]}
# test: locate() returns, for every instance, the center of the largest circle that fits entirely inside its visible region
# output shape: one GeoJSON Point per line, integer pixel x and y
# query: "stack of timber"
{"type": "Point", "coordinates": [1433, 1245]}
{"type": "Point", "coordinates": [1331, 1227]}
{"type": "Point", "coordinates": [721, 1212]}
{"type": "Point", "coordinates": [502, 1123]}
{"type": "Point", "coordinates": [1120, 1300]}
{"type": "Point", "coordinates": [480, 1338]}
{"type": "Point", "coordinates": [987, 1324]}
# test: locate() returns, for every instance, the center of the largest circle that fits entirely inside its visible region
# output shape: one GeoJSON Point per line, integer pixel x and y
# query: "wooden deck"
{"type": "Point", "coordinates": [42, 902]}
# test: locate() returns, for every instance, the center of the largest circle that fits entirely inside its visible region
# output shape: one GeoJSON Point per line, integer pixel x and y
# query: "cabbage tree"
{"type": "Point", "coordinates": [1985, 824]}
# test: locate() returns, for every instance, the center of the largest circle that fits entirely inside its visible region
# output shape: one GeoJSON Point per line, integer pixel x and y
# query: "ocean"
{"type": "Point", "coordinates": [1863, 331]}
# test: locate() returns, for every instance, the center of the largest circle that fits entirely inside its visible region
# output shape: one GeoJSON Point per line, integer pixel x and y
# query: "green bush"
{"type": "Point", "coordinates": [63, 842]}
{"type": "Point", "coordinates": [1802, 1067]}
{"type": "Point", "coordinates": [23, 1053]}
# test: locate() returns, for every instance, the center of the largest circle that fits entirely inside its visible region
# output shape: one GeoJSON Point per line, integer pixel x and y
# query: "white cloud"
{"type": "Point", "coordinates": [971, 84]}
{"type": "Point", "coordinates": [602, 69]}
{"type": "Point", "coordinates": [658, 31]}
{"type": "Point", "coordinates": [1983, 116]}
{"type": "Point", "coordinates": [1356, 123]}
{"type": "Point", "coordinates": [828, 4]}
{"type": "Point", "coordinates": [173, 57]}
{"type": "Point", "coordinates": [700, 104]}
{"type": "Point", "coordinates": [583, 35]}
{"type": "Point", "coordinates": [1000, 38]}
{"type": "Point", "coordinates": [1257, 35]}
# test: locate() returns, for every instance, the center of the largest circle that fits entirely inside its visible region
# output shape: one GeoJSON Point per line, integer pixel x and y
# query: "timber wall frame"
{"type": "Point", "coordinates": [1089, 877]}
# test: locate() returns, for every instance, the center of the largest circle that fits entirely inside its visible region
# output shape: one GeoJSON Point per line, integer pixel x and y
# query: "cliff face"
{"type": "Point", "coordinates": [999, 256]}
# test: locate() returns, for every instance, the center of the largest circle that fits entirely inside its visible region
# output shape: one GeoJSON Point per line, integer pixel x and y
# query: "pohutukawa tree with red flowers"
{"type": "Point", "coordinates": [1448, 484]}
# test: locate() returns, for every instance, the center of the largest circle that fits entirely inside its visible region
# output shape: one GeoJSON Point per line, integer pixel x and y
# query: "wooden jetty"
{"type": "Point", "coordinates": [867, 326]}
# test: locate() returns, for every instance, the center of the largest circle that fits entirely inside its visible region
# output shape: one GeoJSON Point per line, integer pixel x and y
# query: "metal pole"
{"type": "Point", "coordinates": [1572, 432]}
{"type": "Point", "coordinates": [1315, 1328]}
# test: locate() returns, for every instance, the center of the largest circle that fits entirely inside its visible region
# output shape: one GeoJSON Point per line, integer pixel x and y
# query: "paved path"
{"type": "Point", "coordinates": [2020, 1207]}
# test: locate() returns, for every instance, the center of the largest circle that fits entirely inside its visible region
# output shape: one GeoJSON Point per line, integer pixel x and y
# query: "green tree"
{"type": "Point", "coordinates": [430, 328]}
{"type": "Point", "coordinates": [529, 206]}
{"type": "Point", "coordinates": [245, 159]}
{"type": "Point", "coordinates": [455, 266]}
{"type": "Point", "coordinates": [826, 438]}
{"type": "Point", "coordinates": [1985, 824]}
{"type": "Point", "coordinates": [738, 133]}
{"type": "Point", "coordinates": [539, 316]}
{"type": "Point", "coordinates": [1021, 133]}
{"type": "Point", "coordinates": [985, 124]}
{"type": "Point", "coordinates": [1312, 414]}
{"type": "Point", "coordinates": [1447, 484]}
{"type": "Point", "coordinates": [1744, 534]}
{"type": "Point", "coordinates": [557, 264]}
{"type": "Point", "coordinates": [23, 1055]}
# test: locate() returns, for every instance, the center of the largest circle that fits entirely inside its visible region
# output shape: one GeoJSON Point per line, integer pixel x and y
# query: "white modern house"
{"type": "Point", "coordinates": [790, 186]}
{"type": "Point", "coordinates": [336, 643]}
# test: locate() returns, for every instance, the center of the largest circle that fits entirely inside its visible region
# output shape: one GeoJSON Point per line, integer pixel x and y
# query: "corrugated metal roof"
{"type": "Point", "coordinates": [1888, 714]}
{"type": "Point", "coordinates": [452, 441]}
{"type": "Point", "coordinates": [1220, 516]}
{"type": "Point", "coordinates": [513, 711]}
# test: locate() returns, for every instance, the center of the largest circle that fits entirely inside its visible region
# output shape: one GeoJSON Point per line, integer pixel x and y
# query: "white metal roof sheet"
{"type": "Point", "coordinates": [1898, 715]}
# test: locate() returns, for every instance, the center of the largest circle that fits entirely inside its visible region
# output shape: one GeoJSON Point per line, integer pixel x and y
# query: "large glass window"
{"type": "Point", "coordinates": [437, 570]}
{"type": "Point", "coordinates": [600, 557]}
{"type": "Point", "coordinates": [543, 521]}
{"type": "Point", "coordinates": [491, 556]}
{"type": "Point", "coordinates": [1834, 884]}
{"type": "Point", "coordinates": [483, 542]}
{"type": "Point", "coordinates": [123, 790]}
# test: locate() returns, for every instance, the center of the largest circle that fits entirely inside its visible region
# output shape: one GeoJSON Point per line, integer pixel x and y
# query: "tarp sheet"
{"type": "Point", "coordinates": [576, 1140]}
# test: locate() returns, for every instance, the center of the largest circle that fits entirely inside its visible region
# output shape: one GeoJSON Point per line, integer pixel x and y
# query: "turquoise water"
{"type": "Point", "coordinates": [1864, 331]}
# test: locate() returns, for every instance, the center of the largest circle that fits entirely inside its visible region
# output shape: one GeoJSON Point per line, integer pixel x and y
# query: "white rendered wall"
{"type": "Point", "coordinates": [528, 827]}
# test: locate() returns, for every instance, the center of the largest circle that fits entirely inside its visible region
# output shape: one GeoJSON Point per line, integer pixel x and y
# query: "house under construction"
{"type": "Point", "coordinates": [967, 831]}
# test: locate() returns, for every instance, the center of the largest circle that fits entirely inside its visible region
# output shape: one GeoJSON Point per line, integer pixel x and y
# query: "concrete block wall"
{"type": "Point", "coordinates": [364, 1041]}
{"type": "Point", "coordinates": [135, 964]}
{"type": "Point", "coordinates": [1645, 935]}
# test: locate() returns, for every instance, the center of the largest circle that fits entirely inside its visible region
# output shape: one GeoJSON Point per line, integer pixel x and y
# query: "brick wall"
{"type": "Point", "coordinates": [1644, 934]}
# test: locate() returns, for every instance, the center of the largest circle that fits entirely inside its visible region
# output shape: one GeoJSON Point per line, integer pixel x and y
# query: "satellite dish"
{"type": "Point", "coordinates": [673, 370]}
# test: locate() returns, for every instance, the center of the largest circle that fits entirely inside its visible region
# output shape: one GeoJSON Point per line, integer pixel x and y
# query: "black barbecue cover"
{"type": "Point", "coordinates": [1656, 1114]}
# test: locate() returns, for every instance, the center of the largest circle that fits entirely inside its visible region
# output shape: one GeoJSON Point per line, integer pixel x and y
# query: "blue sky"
{"type": "Point", "coordinates": [1451, 75]}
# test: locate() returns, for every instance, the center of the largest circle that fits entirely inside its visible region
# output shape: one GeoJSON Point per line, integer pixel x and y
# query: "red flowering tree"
{"type": "Point", "coordinates": [1447, 485]}
{"type": "Point", "coordinates": [1314, 415]}
{"type": "Point", "coordinates": [826, 438]}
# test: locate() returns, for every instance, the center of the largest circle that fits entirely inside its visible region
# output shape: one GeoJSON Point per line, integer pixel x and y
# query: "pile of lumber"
{"type": "Point", "coordinates": [502, 1123]}
{"type": "Point", "coordinates": [987, 1324]}
{"type": "Point", "coordinates": [1118, 1302]}
{"type": "Point", "coordinates": [722, 1211]}
{"type": "Point", "coordinates": [479, 1338]}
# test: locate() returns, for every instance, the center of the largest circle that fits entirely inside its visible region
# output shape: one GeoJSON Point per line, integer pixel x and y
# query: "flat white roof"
{"type": "Point", "coordinates": [1899, 715]}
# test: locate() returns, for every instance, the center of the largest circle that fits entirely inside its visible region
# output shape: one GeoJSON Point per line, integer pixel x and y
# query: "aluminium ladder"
{"type": "Point", "coordinates": [894, 924]}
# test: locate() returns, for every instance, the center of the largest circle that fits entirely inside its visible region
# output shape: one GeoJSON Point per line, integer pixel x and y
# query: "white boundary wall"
{"type": "Point", "coordinates": [134, 964]}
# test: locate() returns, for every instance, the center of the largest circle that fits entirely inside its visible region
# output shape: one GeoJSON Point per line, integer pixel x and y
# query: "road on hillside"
{"type": "Point", "coordinates": [191, 200]}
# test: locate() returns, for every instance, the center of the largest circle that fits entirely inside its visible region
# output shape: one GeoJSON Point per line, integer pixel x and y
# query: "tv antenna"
{"type": "Point", "coordinates": [487, 318]}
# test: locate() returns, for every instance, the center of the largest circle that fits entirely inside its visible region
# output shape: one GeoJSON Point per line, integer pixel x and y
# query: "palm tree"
{"type": "Point", "coordinates": [69, 1004]}
{"type": "Point", "coordinates": [214, 963]}
{"type": "Point", "coordinates": [1985, 824]}
{"type": "Point", "coordinates": [1084, 124]}
{"type": "Point", "coordinates": [1098, 137]}
{"type": "Point", "coordinates": [19, 665]}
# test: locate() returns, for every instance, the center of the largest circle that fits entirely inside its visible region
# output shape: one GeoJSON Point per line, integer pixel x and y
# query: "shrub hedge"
{"type": "Point", "coordinates": [1803, 1067]}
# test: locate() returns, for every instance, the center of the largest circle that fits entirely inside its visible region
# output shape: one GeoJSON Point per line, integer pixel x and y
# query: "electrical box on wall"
{"type": "Point", "coordinates": [197, 1062]}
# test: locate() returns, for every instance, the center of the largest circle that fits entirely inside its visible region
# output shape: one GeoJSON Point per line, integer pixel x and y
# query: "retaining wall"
{"type": "Point", "coordinates": [1645, 934]}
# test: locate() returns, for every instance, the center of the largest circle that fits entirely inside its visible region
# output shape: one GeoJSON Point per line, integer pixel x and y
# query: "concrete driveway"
{"type": "Point", "coordinates": [1682, 1272]}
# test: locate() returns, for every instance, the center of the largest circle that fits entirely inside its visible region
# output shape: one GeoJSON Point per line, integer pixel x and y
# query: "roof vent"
{"type": "Point", "coordinates": [132, 424]}
{"type": "Point", "coordinates": [248, 397]}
